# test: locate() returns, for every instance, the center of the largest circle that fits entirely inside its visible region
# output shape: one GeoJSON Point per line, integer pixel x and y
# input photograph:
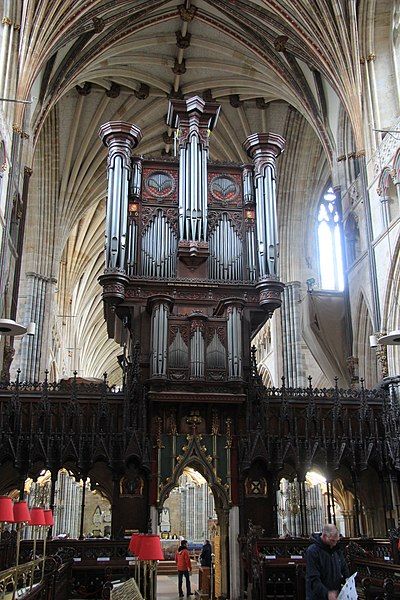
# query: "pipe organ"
{"type": "Point", "coordinates": [191, 250]}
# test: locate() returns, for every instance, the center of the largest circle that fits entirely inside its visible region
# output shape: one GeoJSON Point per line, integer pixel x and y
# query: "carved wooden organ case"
{"type": "Point", "coordinates": [191, 253]}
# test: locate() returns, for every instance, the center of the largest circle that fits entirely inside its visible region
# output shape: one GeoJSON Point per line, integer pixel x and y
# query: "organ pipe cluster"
{"type": "Point", "coordinates": [264, 148]}
{"type": "Point", "coordinates": [226, 253]}
{"type": "Point", "coordinates": [159, 245]}
{"type": "Point", "coordinates": [120, 138]}
{"type": "Point", "coordinates": [193, 119]}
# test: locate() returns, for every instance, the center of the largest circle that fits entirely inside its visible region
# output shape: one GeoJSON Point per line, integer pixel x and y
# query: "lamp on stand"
{"type": "Point", "coordinates": [22, 518]}
{"type": "Point", "coordinates": [6, 511]}
{"type": "Point", "coordinates": [7, 516]}
{"type": "Point", "coordinates": [150, 550]}
{"type": "Point", "coordinates": [37, 520]}
{"type": "Point", "coordinates": [48, 517]}
{"type": "Point", "coordinates": [134, 546]}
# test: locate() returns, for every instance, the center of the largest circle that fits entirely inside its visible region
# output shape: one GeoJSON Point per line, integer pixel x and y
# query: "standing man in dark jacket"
{"type": "Point", "coordinates": [205, 556]}
{"type": "Point", "coordinates": [326, 566]}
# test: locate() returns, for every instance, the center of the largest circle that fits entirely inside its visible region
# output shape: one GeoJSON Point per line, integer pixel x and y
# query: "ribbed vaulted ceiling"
{"type": "Point", "coordinates": [90, 61]}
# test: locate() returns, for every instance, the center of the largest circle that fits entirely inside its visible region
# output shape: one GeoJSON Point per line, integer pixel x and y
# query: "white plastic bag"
{"type": "Point", "coordinates": [349, 591]}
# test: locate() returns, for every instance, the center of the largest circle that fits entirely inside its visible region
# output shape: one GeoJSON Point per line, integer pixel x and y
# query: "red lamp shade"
{"type": "Point", "coordinates": [48, 517]}
{"type": "Point", "coordinates": [21, 512]}
{"type": "Point", "coordinates": [37, 517]}
{"type": "Point", "coordinates": [6, 510]}
{"type": "Point", "coordinates": [150, 548]}
{"type": "Point", "coordinates": [134, 543]}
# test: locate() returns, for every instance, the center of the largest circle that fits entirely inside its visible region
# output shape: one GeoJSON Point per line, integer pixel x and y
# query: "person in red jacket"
{"type": "Point", "coordinates": [184, 567]}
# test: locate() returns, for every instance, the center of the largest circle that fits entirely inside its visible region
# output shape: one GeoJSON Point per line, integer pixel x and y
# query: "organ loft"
{"type": "Point", "coordinates": [192, 256]}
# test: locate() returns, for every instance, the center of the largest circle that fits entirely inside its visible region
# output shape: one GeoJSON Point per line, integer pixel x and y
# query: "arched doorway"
{"type": "Point", "coordinates": [189, 510]}
{"type": "Point", "coordinates": [189, 513]}
{"type": "Point", "coordinates": [226, 528]}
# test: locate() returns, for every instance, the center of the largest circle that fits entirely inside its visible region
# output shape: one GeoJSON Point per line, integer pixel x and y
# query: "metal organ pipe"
{"type": "Point", "coordinates": [251, 254]}
{"type": "Point", "coordinates": [132, 236]}
{"type": "Point", "coordinates": [248, 184]}
{"type": "Point", "coordinates": [159, 338]}
{"type": "Point", "coordinates": [136, 179]}
{"type": "Point", "coordinates": [197, 354]}
{"type": "Point", "coordinates": [234, 334]}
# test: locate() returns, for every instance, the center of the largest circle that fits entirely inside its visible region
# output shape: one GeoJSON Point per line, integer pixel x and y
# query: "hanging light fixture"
{"type": "Point", "coordinates": [11, 328]}
{"type": "Point", "coordinates": [391, 339]}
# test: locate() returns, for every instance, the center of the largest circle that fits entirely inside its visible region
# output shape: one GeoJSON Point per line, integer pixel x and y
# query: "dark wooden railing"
{"type": "Point", "coordinates": [93, 563]}
{"type": "Point", "coordinates": [276, 568]}
{"type": "Point", "coordinates": [33, 579]}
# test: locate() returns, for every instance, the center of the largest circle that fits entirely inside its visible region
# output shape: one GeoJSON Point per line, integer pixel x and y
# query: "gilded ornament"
{"type": "Point", "coordinates": [187, 14]}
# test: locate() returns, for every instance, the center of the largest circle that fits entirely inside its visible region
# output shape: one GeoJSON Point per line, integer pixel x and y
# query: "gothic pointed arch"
{"type": "Point", "coordinates": [367, 360]}
{"type": "Point", "coordinates": [194, 454]}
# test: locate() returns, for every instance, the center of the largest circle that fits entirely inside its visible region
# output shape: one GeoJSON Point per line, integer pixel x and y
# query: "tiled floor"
{"type": "Point", "coordinates": [167, 587]}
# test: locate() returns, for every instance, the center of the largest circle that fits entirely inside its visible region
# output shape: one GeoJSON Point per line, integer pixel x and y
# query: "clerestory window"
{"type": "Point", "coordinates": [330, 243]}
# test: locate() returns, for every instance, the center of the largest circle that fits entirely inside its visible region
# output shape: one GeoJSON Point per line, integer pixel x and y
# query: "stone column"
{"type": "Point", "coordinates": [385, 213]}
{"type": "Point", "coordinates": [193, 119]}
{"type": "Point", "coordinates": [120, 138]}
{"type": "Point", "coordinates": [234, 554]}
{"type": "Point", "coordinates": [40, 289]}
{"type": "Point", "coordinates": [291, 329]}
{"type": "Point", "coordinates": [263, 149]}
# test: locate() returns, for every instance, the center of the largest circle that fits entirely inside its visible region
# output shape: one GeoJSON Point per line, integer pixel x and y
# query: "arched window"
{"type": "Point", "coordinates": [330, 243]}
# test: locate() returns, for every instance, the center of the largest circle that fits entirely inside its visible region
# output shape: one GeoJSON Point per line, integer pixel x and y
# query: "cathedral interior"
{"type": "Point", "coordinates": [199, 292]}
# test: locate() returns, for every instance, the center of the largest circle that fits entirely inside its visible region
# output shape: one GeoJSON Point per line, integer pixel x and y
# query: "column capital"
{"type": "Point", "coordinates": [120, 130]}
{"type": "Point", "coordinates": [227, 303]}
{"type": "Point", "coordinates": [193, 114]}
{"type": "Point", "coordinates": [153, 301]}
{"type": "Point", "coordinates": [264, 145]}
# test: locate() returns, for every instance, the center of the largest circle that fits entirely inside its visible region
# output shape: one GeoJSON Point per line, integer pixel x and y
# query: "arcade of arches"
{"type": "Point", "coordinates": [200, 267]}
